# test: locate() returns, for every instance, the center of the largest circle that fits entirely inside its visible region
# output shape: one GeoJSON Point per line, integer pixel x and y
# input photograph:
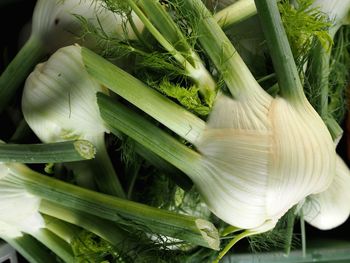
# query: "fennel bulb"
{"type": "Point", "coordinates": [254, 155]}
{"type": "Point", "coordinates": [59, 104]}
{"type": "Point", "coordinates": [59, 99]}
{"type": "Point", "coordinates": [55, 22]}
{"type": "Point", "coordinates": [258, 155]}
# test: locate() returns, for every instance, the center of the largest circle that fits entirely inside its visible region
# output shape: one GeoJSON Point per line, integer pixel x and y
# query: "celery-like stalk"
{"type": "Point", "coordinates": [282, 57]}
{"type": "Point", "coordinates": [67, 232]}
{"type": "Point", "coordinates": [118, 117]}
{"type": "Point", "coordinates": [179, 120]}
{"type": "Point", "coordinates": [167, 33]}
{"type": "Point", "coordinates": [104, 173]}
{"type": "Point", "coordinates": [31, 249]}
{"type": "Point", "coordinates": [19, 68]}
{"type": "Point", "coordinates": [101, 227]}
{"type": "Point", "coordinates": [191, 229]}
{"type": "Point", "coordinates": [55, 244]}
{"type": "Point", "coordinates": [68, 151]}
{"type": "Point", "coordinates": [235, 13]}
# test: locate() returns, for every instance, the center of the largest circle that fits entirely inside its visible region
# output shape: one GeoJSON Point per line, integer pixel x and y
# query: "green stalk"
{"type": "Point", "coordinates": [164, 29]}
{"type": "Point", "coordinates": [216, 44]}
{"type": "Point", "coordinates": [320, 77]}
{"type": "Point", "coordinates": [286, 70]}
{"type": "Point", "coordinates": [158, 16]}
{"type": "Point", "coordinates": [303, 233]}
{"type": "Point", "coordinates": [19, 68]}
{"type": "Point", "coordinates": [104, 174]}
{"type": "Point", "coordinates": [120, 118]}
{"type": "Point", "coordinates": [55, 243]}
{"type": "Point", "coordinates": [235, 13]}
{"type": "Point", "coordinates": [237, 238]}
{"type": "Point", "coordinates": [173, 116]}
{"type": "Point", "coordinates": [126, 242]}
{"type": "Point", "coordinates": [179, 177]}
{"type": "Point", "coordinates": [104, 228]}
{"type": "Point", "coordinates": [158, 35]}
{"type": "Point", "coordinates": [153, 220]}
{"type": "Point", "coordinates": [64, 230]}
{"type": "Point", "coordinates": [290, 228]}
{"type": "Point", "coordinates": [31, 249]}
{"type": "Point", "coordinates": [334, 129]}
{"type": "Point", "coordinates": [69, 151]}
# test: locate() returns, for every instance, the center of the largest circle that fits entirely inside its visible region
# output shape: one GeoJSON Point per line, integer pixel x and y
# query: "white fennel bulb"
{"type": "Point", "coordinates": [330, 208]}
{"type": "Point", "coordinates": [59, 104]}
{"type": "Point", "coordinates": [260, 157]}
{"type": "Point", "coordinates": [19, 210]}
{"type": "Point", "coordinates": [59, 99]}
{"type": "Point", "coordinates": [55, 22]}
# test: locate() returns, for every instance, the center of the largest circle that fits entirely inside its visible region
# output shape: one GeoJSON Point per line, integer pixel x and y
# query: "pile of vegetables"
{"type": "Point", "coordinates": [167, 131]}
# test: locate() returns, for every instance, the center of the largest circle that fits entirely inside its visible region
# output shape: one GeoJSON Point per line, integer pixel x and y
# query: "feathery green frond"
{"type": "Point", "coordinates": [188, 97]}
{"type": "Point", "coordinates": [304, 24]}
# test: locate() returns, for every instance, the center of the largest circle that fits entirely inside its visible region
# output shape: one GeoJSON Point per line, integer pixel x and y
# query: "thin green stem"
{"type": "Point", "coordinates": [120, 118]}
{"type": "Point", "coordinates": [303, 234]}
{"type": "Point", "coordinates": [69, 151]}
{"type": "Point", "coordinates": [235, 13]}
{"type": "Point", "coordinates": [319, 77]}
{"type": "Point", "coordinates": [168, 34]}
{"type": "Point", "coordinates": [334, 129]}
{"type": "Point", "coordinates": [55, 243]}
{"type": "Point", "coordinates": [232, 243]}
{"type": "Point", "coordinates": [173, 116]}
{"type": "Point", "coordinates": [216, 44]}
{"type": "Point", "coordinates": [281, 54]}
{"type": "Point", "coordinates": [153, 220]}
{"type": "Point", "coordinates": [105, 176]}
{"type": "Point", "coordinates": [18, 69]}
{"type": "Point", "coordinates": [167, 27]}
{"type": "Point", "coordinates": [290, 228]}
{"type": "Point", "coordinates": [31, 249]}
{"type": "Point", "coordinates": [160, 38]}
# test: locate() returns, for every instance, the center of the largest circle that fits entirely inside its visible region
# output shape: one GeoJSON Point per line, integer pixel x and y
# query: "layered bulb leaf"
{"type": "Point", "coordinates": [56, 24]}
{"type": "Point", "coordinates": [330, 208]}
{"type": "Point", "coordinates": [260, 157]}
{"type": "Point", "coordinates": [59, 104]}
{"type": "Point", "coordinates": [59, 99]}
{"type": "Point", "coordinates": [19, 209]}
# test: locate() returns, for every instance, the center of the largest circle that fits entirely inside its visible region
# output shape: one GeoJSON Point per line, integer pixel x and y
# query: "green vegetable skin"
{"type": "Point", "coordinates": [202, 120]}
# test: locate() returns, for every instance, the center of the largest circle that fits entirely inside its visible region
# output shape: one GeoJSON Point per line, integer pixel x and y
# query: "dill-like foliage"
{"type": "Point", "coordinates": [188, 97]}
{"type": "Point", "coordinates": [277, 238]}
{"type": "Point", "coordinates": [339, 76]}
{"type": "Point", "coordinates": [304, 24]}
{"type": "Point", "coordinates": [87, 247]}
{"type": "Point", "coordinates": [117, 6]}
{"type": "Point", "coordinates": [107, 44]}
